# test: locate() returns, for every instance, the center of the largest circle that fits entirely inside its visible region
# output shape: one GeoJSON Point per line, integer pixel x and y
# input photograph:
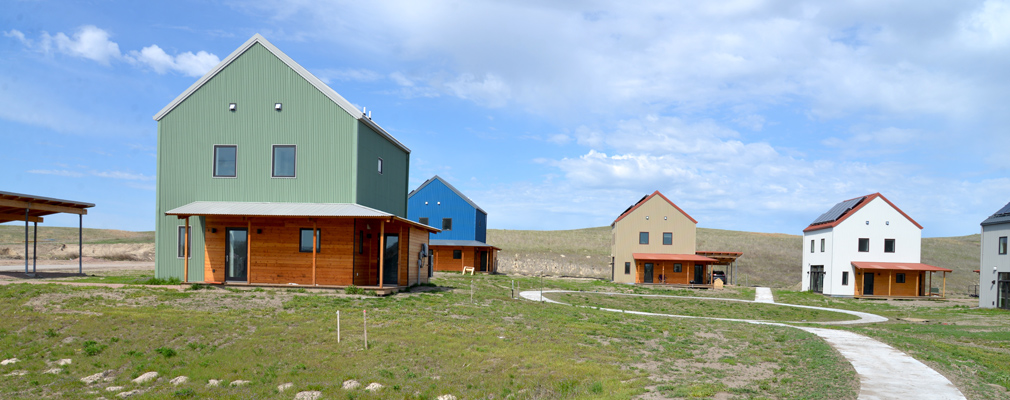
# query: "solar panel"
{"type": "Point", "coordinates": [1003, 211]}
{"type": "Point", "coordinates": [837, 211]}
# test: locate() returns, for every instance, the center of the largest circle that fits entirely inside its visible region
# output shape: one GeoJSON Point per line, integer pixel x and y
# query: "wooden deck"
{"type": "Point", "coordinates": [381, 291]}
{"type": "Point", "coordinates": [677, 285]}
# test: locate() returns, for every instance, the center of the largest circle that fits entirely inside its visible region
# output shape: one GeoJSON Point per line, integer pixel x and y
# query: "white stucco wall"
{"type": "Point", "coordinates": [991, 259]}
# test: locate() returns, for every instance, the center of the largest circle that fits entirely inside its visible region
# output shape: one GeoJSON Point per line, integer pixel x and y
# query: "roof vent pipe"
{"type": "Point", "coordinates": [369, 115]}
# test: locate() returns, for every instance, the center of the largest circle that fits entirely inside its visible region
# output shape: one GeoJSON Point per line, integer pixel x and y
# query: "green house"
{"type": "Point", "coordinates": [280, 180]}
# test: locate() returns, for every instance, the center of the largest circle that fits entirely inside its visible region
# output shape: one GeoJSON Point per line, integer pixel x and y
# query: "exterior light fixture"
{"type": "Point", "coordinates": [646, 217]}
{"type": "Point", "coordinates": [426, 203]}
{"type": "Point", "coordinates": [887, 222]}
{"type": "Point", "coordinates": [232, 106]}
{"type": "Point", "coordinates": [439, 203]}
{"type": "Point", "coordinates": [277, 106]}
{"type": "Point", "coordinates": [664, 218]}
{"type": "Point", "coordinates": [867, 222]}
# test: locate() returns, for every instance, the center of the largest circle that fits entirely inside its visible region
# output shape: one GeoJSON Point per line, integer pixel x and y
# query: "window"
{"type": "Point", "coordinates": [284, 161]}
{"type": "Point", "coordinates": [643, 237]}
{"type": "Point", "coordinates": [224, 161]}
{"type": "Point", "coordinates": [899, 278]}
{"type": "Point", "coordinates": [423, 220]}
{"type": "Point", "coordinates": [446, 224]}
{"type": "Point", "coordinates": [845, 278]}
{"type": "Point", "coordinates": [668, 238]}
{"type": "Point", "coordinates": [678, 268]}
{"type": "Point", "coordinates": [627, 268]}
{"type": "Point", "coordinates": [305, 240]}
{"type": "Point", "coordinates": [822, 245]}
{"type": "Point", "coordinates": [811, 245]}
{"type": "Point", "coordinates": [864, 245]}
{"type": "Point", "coordinates": [182, 240]}
{"type": "Point", "coordinates": [457, 254]}
{"type": "Point", "coordinates": [380, 166]}
{"type": "Point", "coordinates": [889, 245]}
{"type": "Point", "coordinates": [1002, 245]}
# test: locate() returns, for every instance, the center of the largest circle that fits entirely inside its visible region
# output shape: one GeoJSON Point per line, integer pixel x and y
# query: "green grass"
{"type": "Point", "coordinates": [127, 277]}
{"type": "Point", "coordinates": [421, 345]}
{"type": "Point", "coordinates": [700, 308]}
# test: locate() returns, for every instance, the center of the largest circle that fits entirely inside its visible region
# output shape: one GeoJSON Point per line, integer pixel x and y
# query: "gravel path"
{"type": "Point", "coordinates": [884, 372]}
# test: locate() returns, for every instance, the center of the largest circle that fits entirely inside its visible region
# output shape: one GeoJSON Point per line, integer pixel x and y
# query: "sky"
{"type": "Point", "coordinates": [750, 115]}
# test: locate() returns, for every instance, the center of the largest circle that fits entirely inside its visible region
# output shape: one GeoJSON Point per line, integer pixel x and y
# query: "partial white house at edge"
{"type": "Point", "coordinates": [994, 268]}
{"type": "Point", "coordinates": [863, 247]}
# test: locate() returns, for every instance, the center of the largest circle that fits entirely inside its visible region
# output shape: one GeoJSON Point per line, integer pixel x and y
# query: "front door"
{"type": "Point", "coordinates": [867, 284]}
{"type": "Point", "coordinates": [817, 278]}
{"type": "Point", "coordinates": [235, 254]}
{"type": "Point", "coordinates": [483, 261]}
{"type": "Point", "coordinates": [699, 273]}
{"type": "Point", "coordinates": [1003, 291]}
{"type": "Point", "coordinates": [648, 273]}
{"type": "Point", "coordinates": [391, 258]}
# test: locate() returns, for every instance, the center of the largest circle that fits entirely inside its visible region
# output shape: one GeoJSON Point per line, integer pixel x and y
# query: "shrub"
{"type": "Point", "coordinates": [354, 290]}
{"type": "Point", "coordinates": [92, 348]}
{"type": "Point", "coordinates": [166, 351]}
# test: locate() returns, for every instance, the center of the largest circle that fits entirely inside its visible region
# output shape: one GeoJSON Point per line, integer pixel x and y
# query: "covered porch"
{"type": "Point", "coordinates": [898, 280]}
{"type": "Point", "coordinates": [454, 255]}
{"type": "Point", "coordinates": [304, 244]}
{"type": "Point", "coordinates": [689, 270]}
{"type": "Point", "coordinates": [725, 260]}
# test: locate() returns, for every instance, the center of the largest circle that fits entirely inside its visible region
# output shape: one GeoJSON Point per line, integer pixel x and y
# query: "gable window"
{"type": "Point", "coordinates": [446, 224]}
{"type": "Point", "coordinates": [423, 220]}
{"type": "Point", "coordinates": [643, 237]}
{"type": "Point", "coordinates": [627, 268]}
{"type": "Point", "coordinates": [845, 278]}
{"type": "Point", "coordinates": [283, 161]}
{"type": "Point", "coordinates": [889, 245]}
{"type": "Point", "coordinates": [822, 245]}
{"type": "Point", "coordinates": [811, 245]}
{"type": "Point", "coordinates": [380, 166]}
{"type": "Point", "coordinates": [182, 241]}
{"type": "Point", "coordinates": [678, 268]}
{"type": "Point", "coordinates": [668, 238]}
{"type": "Point", "coordinates": [305, 240]}
{"type": "Point", "coordinates": [224, 160]}
{"type": "Point", "coordinates": [864, 245]}
{"type": "Point", "coordinates": [1002, 245]}
{"type": "Point", "coordinates": [899, 278]}
{"type": "Point", "coordinates": [457, 254]}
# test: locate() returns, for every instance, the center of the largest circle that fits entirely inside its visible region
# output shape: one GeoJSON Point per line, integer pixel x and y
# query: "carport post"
{"type": "Point", "coordinates": [35, 244]}
{"type": "Point", "coordinates": [26, 240]}
{"type": "Point", "coordinates": [80, 244]}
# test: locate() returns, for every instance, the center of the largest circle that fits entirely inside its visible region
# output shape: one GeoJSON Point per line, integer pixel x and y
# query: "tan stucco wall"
{"type": "Point", "coordinates": [663, 217]}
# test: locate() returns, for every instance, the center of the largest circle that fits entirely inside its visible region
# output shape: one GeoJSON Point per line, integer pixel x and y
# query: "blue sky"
{"type": "Point", "coordinates": [750, 115]}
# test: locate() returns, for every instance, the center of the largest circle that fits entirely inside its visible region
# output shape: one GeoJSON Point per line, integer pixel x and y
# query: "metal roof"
{"type": "Point", "coordinates": [672, 257]}
{"type": "Point", "coordinates": [459, 243]}
{"type": "Point", "coordinates": [1001, 216]}
{"type": "Point", "coordinates": [898, 266]}
{"type": "Point", "coordinates": [304, 73]}
{"type": "Point", "coordinates": [277, 209]}
{"type": "Point", "coordinates": [838, 210]}
{"type": "Point", "coordinates": [13, 205]}
{"type": "Point", "coordinates": [453, 188]}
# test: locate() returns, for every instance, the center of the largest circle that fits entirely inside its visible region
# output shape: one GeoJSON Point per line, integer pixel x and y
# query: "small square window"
{"type": "Point", "coordinates": [225, 160]}
{"type": "Point", "coordinates": [446, 224]}
{"type": "Point", "coordinates": [678, 268]}
{"type": "Point", "coordinates": [380, 166]}
{"type": "Point", "coordinates": [889, 245]}
{"type": "Point", "coordinates": [423, 220]}
{"type": "Point", "coordinates": [305, 240]}
{"type": "Point", "coordinates": [643, 238]}
{"type": "Point", "coordinates": [182, 241]}
{"type": "Point", "coordinates": [457, 254]}
{"type": "Point", "coordinates": [627, 268]}
{"type": "Point", "coordinates": [864, 245]}
{"type": "Point", "coordinates": [668, 238]}
{"type": "Point", "coordinates": [283, 161]}
{"type": "Point", "coordinates": [899, 278]}
{"type": "Point", "coordinates": [822, 245]}
{"type": "Point", "coordinates": [845, 278]}
{"type": "Point", "coordinates": [1002, 245]}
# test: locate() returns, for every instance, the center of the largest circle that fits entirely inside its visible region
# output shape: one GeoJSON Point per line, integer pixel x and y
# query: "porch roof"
{"type": "Point", "coordinates": [672, 257]}
{"type": "Point", "coordinates": [459, 243]}
{"type": "Point", "coordinates": [898, 266]}
{"type": "Point", "coordinates": [278, 209]}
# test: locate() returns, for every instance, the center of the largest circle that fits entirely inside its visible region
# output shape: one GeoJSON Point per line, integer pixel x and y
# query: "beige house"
{"type": "Point", "coordinates": [653, 242]}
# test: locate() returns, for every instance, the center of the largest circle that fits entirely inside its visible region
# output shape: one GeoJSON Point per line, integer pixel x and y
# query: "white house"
{"type": "Point", "coordinates": [994, 268]}
{"type": "Point", "coordinates": [866, 246]}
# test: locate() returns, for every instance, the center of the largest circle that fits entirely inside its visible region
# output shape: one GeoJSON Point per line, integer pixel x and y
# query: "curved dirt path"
{"type": "Point", "coordinates": [884, 372]}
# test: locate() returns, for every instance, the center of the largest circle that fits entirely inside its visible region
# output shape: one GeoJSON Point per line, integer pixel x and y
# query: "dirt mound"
{"type": "Point", "coordinates": [60, 251]}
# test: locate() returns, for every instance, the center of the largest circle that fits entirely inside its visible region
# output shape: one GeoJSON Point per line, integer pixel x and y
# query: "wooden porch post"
{"type": "Point", "coordinates": [859, 283]}
{"type": "Point", "coordinates": [918, 289]}
{"type": "Point", "coordinates": [890, 277]}
{"type": "Point", "coordinates": [931, 283]}
{"type": "Point", "coordinates": [314, 239]}
{"type": "Point", "coordinates": [248, 250]}
{"type": "Point", "coordinates": [185, 252]}
{"type": "Point", "coordinates": [664, 272]}
{"type": "Point", "coordinates": [943, 292]}
{"type": "Point", "coordinates": [382, 251]}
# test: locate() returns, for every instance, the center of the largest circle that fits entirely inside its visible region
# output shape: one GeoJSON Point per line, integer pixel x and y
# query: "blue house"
{"type": "Point", "coordinates": [463, 239]}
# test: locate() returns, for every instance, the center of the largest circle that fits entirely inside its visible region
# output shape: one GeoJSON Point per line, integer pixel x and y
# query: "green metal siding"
{"type": "Point", "coordinates": [325, 136]}
{"type": "Point", "coordinates": [386, 191]}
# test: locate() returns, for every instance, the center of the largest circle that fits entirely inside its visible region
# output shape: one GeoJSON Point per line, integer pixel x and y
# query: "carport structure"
{"type": "Point", "coordinates": [30, 208]}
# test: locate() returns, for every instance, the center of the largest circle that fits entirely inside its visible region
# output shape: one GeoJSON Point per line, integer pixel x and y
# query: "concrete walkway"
{"type": "Point", "coordinates": [884, 372]}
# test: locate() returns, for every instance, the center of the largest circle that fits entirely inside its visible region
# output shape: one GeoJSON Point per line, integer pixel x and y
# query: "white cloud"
{"type": "Point", "coordinates": [122, 175]}
{"type": "Point", "coordinates": [88, 42]}
{"type": "Point", "coordinates": [186, 63]}
{"type": "Point", "coordinates": [57, 172]}
{"type": "Point", "coordinates": [347, 75]}
{"type": "Point", "coordinates": [490, 90]}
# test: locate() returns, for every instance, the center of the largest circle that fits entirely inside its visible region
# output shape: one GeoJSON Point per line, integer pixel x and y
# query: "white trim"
{"type": "Point", "coordinates": [213, 161]}
{"type": "Point", "coordinates": [272, 160]}
{"type": "Point", "coordinates": [304, 73]}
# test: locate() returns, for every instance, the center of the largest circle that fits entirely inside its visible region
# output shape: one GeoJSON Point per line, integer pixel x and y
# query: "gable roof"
{"type": "Point", "coordinates": [304, 73]}
{"type": "Point", "coordinates": [458, 193]}
{"type": "Point", "coordinates": [644, 200]}
{"type": "Point", "coordinates": [1001, 216]}
{"type": "Point", "coordinates": [848, 209]}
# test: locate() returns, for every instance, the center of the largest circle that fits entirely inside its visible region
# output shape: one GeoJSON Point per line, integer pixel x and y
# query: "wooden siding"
{"type": "Point", "coordinates": [660, 267]}
{"type": "Point", "coordinates": [471, 258]}
{"type": "Point", "coordinates": [624, 240]}
{"type": "Point", "coordinates": [910, 288]}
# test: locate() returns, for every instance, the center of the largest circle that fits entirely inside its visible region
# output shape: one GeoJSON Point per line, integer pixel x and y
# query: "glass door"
{"type": "Point", "coordinates": [868, 284]}
{"type": "Point", "coordinates": [1003, 291]}
{"type": "Point", "coordinates": [391, 258]}
{"type": "Point", "coordinates": [817, 278]}
{"type": "Point", "coordinates": [235, 254]}
{"type": "Point", "coordinates": [648, 273]}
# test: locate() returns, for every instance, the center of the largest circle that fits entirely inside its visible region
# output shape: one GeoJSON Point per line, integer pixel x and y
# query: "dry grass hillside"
{"type": "Point", "coordinates": [56, 243]}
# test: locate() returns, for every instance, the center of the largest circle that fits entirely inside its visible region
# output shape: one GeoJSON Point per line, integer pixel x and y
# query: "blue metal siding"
{"type": "Point", "coordinates": [480, 232]}
{"type": "Point", "coordinates": [452, 206]}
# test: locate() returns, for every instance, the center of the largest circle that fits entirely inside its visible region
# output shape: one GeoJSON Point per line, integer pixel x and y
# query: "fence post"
{"type": "Point", "coordinates": [365, 322]}
{"type": "Point", "coordinates": [338, 326]}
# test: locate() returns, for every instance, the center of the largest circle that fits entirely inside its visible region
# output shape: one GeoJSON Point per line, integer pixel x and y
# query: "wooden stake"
{"type": "Point", "coordinates": [338, 326]}
{"type": "Point", "coordinates": [365, 322]}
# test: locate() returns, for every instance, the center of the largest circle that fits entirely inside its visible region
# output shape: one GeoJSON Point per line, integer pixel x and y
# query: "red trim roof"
{"type": "Point", "coordinates": [672, 257]}
{"type": "Point", "coordinates": [898, 266]}
{"type": "Point", "coordinates": [869, 198]}
{"type": "Point", "coordinates": [645, 200]}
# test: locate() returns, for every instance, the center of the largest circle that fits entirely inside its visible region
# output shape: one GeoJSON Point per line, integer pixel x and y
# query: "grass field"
{"type": "Point", "coordinates": [421, 345]}
{"type": "Point", "coordinates": [12, 234]}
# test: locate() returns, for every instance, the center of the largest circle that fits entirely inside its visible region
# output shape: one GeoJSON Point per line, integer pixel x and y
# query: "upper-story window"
{"type": "Point", "coordinates": [224, 160]}
{"type": "Point", "coordinates": [423, 220]}
{"type": "Point", "coordinates": [283, 161]}
{"type": "Point", "coordinates": [812, 245]}
{"type": "Point", "coordinates": [864, 245]}
{"type": "Point", "coordinates": [889, 245]}
{"type": "Point", "coordinates": [668, 238]}
{"type": "Point", "coordinates": [380, 166]}
{"type": "Point", "coordinates": [1002, 245]}
{"type": "Point", "coordinates": [822, 245]}
{"type": "Point", "coordinates": [446, 224]}
{"type": "Point", "coordinates": [643, 237]}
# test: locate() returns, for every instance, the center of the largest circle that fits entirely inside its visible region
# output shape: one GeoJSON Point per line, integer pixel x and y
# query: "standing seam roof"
{"type": "Point", "coordinates": [454, 190]}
